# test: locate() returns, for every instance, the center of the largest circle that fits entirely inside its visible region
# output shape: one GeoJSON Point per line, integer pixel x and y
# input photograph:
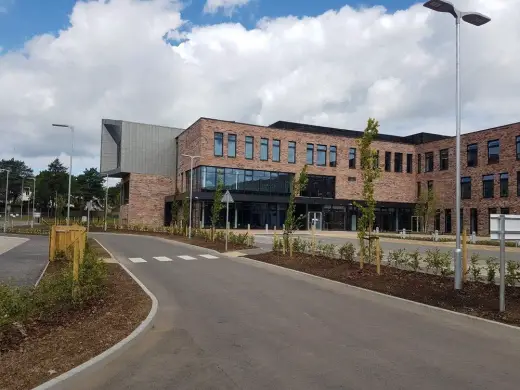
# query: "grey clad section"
{"type": "Point", "coordinates": [128, 147]}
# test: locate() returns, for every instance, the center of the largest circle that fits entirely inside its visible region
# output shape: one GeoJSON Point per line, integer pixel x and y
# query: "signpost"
{"type": "Point", "coordinates": [227, 198]}
{"type": "Point", "coordinates": [504, 227]}
{"type": "Point", "coordinates": [88, 207]}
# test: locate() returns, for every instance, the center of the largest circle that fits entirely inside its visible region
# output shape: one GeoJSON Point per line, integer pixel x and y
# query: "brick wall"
{"type": "Point", "coordinates": [189, 142]}
{"type": "Point", "coordinates": [392, 186]}
{"type": "Point", "coordinates": [444, 183]}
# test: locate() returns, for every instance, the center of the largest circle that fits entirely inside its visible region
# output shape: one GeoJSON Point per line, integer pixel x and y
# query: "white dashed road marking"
{"type": "Point", "coordinates": [162, 258]}
{"type": "Point", "coordinates": [137, 260]}
{"type": "Point", "coordinates": [187, 257]}
{"type": "Point", "coordinates": [209, 256]}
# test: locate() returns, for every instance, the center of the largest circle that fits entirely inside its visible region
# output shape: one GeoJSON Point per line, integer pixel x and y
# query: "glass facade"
{"type": "Point", "coordinates": [320, 187]}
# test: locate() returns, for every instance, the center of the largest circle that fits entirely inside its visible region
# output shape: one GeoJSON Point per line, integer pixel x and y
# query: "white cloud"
{"type": "Point", "coordinates": [228, 6]}
{"type": "Point", "coordinates": [336, 69]}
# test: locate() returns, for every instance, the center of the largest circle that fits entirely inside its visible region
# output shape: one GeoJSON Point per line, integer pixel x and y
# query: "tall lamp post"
{"type": "Point", "coordinates": [71, 128]}
{"type": "Point", "coordinates": [191, 187]}
{"type": "Point", "coordinates": [476, 19]}
{"type": "Point", "coordinates": [33, 200]}
{"type": "Point", "coordinates": [6, 196]}
{"type": "Point", "coordinates": [106, 204]}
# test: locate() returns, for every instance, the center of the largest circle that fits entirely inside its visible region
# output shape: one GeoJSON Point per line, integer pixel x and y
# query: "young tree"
{"type": "Point", "coordinates": [114, 195]}
{"type": "Point", "coordinates": [175, 209]}
{"type": "Point", "coordinates": [18, 170]}
{"type": "Point", "coordinates": [291, 221]}
{"type": "Point", "coordinates": [217, 206]}
{"type": "Point", "coordinates": [370, 173]}
{"type": "Point", "coordinates": [425, 207]}
{"type": "Point", "coordinates": [185, 213]}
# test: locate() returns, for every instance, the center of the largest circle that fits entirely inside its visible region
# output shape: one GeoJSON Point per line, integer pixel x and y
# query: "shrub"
{"type": "Point", "coordinates": [512, 272]}
{"type": "Point", "coordinates": [398, 258]}
{"type": "Point", "coordinates": [328, 250]}
{"type": "Point", "coordinates": [300, 245]}
{"type": "Point", "coordinates": [491, 268]}
{"type": "Point", "coordinates": [414, 260]}
{"type": "Point", "coordinates": [347, 252]}
{"type": "Point", "coordinates": [438, 262]}
{"type": "Point", "coordinates": [474, 268]}
{"type": "Point", "coordinates": [277, 243]}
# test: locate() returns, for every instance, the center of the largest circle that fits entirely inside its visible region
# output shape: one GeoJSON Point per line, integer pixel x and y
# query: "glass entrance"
{"type": "Point", "coordinates": [314, 218]}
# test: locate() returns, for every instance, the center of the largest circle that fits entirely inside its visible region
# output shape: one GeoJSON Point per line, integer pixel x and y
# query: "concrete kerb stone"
{"type": "Point", "coordinates": [366, 292]}
{"type": "Point", "coordinates": [88, 367]}
{"type": "Point", "coordinates": [41, 275]}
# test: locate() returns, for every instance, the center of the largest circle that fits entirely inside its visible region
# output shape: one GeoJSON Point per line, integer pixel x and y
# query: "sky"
{"type": "Point", "coordinates": [169, 62]}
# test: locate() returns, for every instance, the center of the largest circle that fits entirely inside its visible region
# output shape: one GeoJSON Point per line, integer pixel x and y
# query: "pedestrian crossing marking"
{"type": "Point", "coordinates": [137, 260]}
{"type": "Point", "coordinates": [162, 258]}
{"type": "Point", "coordinates": [185, 257]}
{"type": "Point", "coordinates": [209, 256]}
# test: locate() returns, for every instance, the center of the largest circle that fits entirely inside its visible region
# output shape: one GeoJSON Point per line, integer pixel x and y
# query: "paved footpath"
{"type": "Point", "coordinates": [23, 258]}
{"type": "Point", "coordinates": [239, 324]}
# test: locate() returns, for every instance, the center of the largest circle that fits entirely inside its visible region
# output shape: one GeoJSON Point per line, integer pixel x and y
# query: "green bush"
{"type": "Point", "coordinates": [491, 268]}
{"type": "Point", "coordinates": [327, 250]}
{"type": "Point", "coordinates": [300, 245]}
{"type": "Point", "coordinates": [398, 258]}
{"type": "Point", "coordinates": [347, 252]}
{"type": "Point", "coordinates": [512, 273]}
{"type": "Point", "coordinates": [474, 268]}
{"type": "Point", "coordinates": [438, 262]}
{"type": "Point", "coordinates": [414, 260]}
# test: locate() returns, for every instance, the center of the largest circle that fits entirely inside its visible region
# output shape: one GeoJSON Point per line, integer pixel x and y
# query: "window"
{"type": "Point", "coordinates": [430, 185]}
{"type": "Point", "coordinates": [250, 147]}
{"type": "Point", "coordinates": [218, 144]}
{"type": "Point", "coordinates": [518, 147]}
{"type": "Point", "coordinates": [473, 221]}
{"type": "Point", "coordinates": [264, 149]}
{"type": "Point", "coordinates": [447, 221]}
{"type": "Point", "coordinates": [310, 154]}
{"type": "Point", "coordinates": [376, 160]}
{"type": "Point", "coordinates": [504, 185]}
{"type": "Point", "coordinates": [321, 156]}
{"type": "Point", "coordinates": [276, 150]}
{"type": "Point", "coordinates": [398, 162]}
{"type": "Point", "coordinates": [320, 187]}
{"type": "Point", "coordinates": [518, 183]}
{"type": "Point", "coordinates": [504, 210]}
{"type": "Point", "coordinates": [487, 186]}
{"type": "Point", "coordinates": [388, 161]}
{"type": "Point", "coordinates": [418, 189]}
{"type": "Point", "coordinates": [419, 163]}
{"type": "Point", "coordinates": [232, 145]}
{"type": "Point", "coordinates": [443, 160]}
{"type": "Point", "coordinates": [437, 222]}
{"type": "Point", "coordinates": [465, 187]}
{"type": "Point", "coordinates": [291, 156]}
{"type": "Point", "coordinates": [493, 151]}
{"type": "Point", "coordinates": [352, 158]}
{"type": "Point", "coordinates": [472, 155]}
{"type": "Point", "coordinates": [409, 163]}
{"type": "Point", "coordinates": [428, 162]}
{"type": "Point", "coordinates": [332, 156]}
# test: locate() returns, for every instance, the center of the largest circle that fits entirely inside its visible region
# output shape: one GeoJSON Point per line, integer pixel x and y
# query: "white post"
{"type": "Point", "coordinates": [227, 222]}
{"type": "Point", "coordinates": [6, 198]}
{"type": "Point", "coordinates": [458, 251]}
{"type": "Point", "coordinates": [236, 216]}
{"type": "Point", "coordinates": [106, 205]}
{"type": "Point", "coordinates": [267, 228]}
{"type": "Point", "coordinates": [34, 200]}
{"type": "Point", "coordinates": [202, 219]}
{"type": "Point", "coordinates": [88, 215]}
{"type": "Point", "coordinates": [21, 199]}
{"type": "Point", "coordinates": [502, 225]}
{"type": "Point", "coordinates": [191, 194]}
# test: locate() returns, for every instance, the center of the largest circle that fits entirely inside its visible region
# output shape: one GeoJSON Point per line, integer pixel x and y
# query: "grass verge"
{"type": "Point", "coordinates": [45, 331]}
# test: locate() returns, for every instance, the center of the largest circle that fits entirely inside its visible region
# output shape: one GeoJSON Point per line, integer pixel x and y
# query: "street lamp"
{"type": "Point", "coordinates": [191, 187]}
{"type": "Point", "coordinates": [6, 196]}
{"type": "Point", "coordinates": [476, 19]}
{"type": "Point", "coordinates": [71, 128]}
{"type": "Point", "coordinates": [106, 204]}
{"type": "Point", "coordinates": [33, 200]}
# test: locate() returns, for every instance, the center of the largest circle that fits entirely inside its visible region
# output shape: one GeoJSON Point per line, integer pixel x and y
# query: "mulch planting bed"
{"type": "Point", "coordinates": [218, 246]}
{"type": "Point", "coordinates": [478, 299]}
{"type": "Point", "coordinates": [57, 345]}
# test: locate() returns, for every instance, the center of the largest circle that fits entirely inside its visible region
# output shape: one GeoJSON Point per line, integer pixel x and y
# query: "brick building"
{"type": "Point", "coordinates": [257, 164]}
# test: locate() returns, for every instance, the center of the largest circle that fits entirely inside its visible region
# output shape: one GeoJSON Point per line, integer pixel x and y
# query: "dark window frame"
{"type": "Point", "coordinates": [444, 159]}
{"type": "Point", "coordinates": [234, 143]}
{"type": "Point", "coordinates": [465, 187]}
{"type": "Point", "coordinates": [310, 147]}
{"type": "Point", "coordinates": [419, 163]}
{"type": "Point", "coordinates": [291, 145]}
{"type": "Point", "coordinates": [276, 154]}
{"type": "Point", "coordinates": [428, 162]}
{"type": "Point", "coordinates": [398, 162]}
{"type": "Point", "coordinates": [321, 152]}
{"type": "Point", "coordinates": [409, 162]}
{"type": "Point", "coordinates": [264, 146]}
{"type": "Point", "coordinates": [388, 161]}
{"type": "Point", "coordinates": [472, 155]}
{"type": "Point", "coordinates": [495, 157]}
{"type": "Point", "coordinates": [352, 156]}
{"type": "Point", "coordinates": [249, 141]}
{"type": "Point", "coordinates": [218, 135]}
{"type": "Point", "coordinates": [488, 191]}
{"type": "Point", "coordinates": [518, 147]}
{"type": "Point", "coordinates": [333, 156]}
{"type": "Point", "coordinates": [504, 184]}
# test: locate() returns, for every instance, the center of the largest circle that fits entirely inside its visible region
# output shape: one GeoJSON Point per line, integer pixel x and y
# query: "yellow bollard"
{"type": "Point", "coordinates": [464, 255]}
{"type": "Point", "coordinates": [361, 260]}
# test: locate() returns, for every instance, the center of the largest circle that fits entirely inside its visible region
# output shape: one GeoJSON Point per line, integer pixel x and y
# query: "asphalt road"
{"type": "Point", "coordinates": [23, 258]}
{"type": "Point", "coordinates": [238, 324]}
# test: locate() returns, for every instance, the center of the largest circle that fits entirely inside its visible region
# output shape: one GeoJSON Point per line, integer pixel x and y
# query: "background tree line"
{"type": "Point", "coordinates": [52, 186]}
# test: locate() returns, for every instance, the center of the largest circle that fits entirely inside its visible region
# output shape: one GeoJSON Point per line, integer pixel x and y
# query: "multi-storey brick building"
{"type": "Point", "coordinates": [257, 164]}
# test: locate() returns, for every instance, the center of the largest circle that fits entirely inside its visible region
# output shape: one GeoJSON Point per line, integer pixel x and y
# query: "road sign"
{"type": "Point", "coordinates": [88, 206]}
{"type": "Point", "coordinates": [227, 198]}
{"type": "Point", "coordinates": [37, 214]}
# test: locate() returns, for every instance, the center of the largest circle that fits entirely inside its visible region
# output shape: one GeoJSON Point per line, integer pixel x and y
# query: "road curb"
{"type": "Point", "coordinates": [90, 365]}
{"type": "Point", "coordinates": [41, 275]}
{"type": "Point", "coordinates": [386, 296]}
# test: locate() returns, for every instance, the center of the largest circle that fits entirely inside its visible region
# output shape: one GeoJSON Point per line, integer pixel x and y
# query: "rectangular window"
{"type": "Point", "coordinates": [493, 151]}
{"type": "Point", "coordinates": [218, 144]}
{"type": "Point", "coordinates": [250, 147]}
{"type": "Point", "coordinates": [518, 183]}
{"type": "Point", "coordinates": [409, 163]}
{"type": "Point", "coordinates": [398, 162]}
{"type": "Point", "coordinates": [321, 156]}
{"type": "Point", "coordinates": [291, 155]}
{"type": "Point", "coordinates": [419, 163]}
{"type": "Point", "coordinates": [465, 187]}
{"type": "Point", "coordinates": [320, 187]}
{"type": "Point", "coordinates": [376, 160]}
{"type": "Point", "coordinates": [504, 185]}
{"type": "Point", "coordinates": [443, 160]}
{"type": "Point", "coordinates": [504, 210]}
{"type": "Point", "coordinates": [518, 147]}
{"type": "Point", "coordinates": [437, 224]}
{"type": "Point", "coordinates": [310, 154]}
{"type": "Point", "coordinates": [472, 155]}
{"type": "Point", "coordinates": [428, 162]}
{"type": "Point", "coordinates": [388, 161]}
{"type": "Point", "coordinates": [418, 189]}
{"type": "Point", "coordinates": [473, 221]}
{"type": "Point", "coordinates": [447, 221]}
{"type": "Point", "coordinates": [232, 145]}
{"type": "Point", "coordinates": [430, 185]}
{"type": "Point", "coordinates": [332, 156]}
{"type": "Point", "coordinates": [488, 186]}
{"type": "Point", "coordinates": [276, 150]}
{"type": "Point", "coordinates": [264, 149]}
{"type": "Point", "coordinates": [352, 158]}
{"type": "Point", "coordinates": [491, 210]}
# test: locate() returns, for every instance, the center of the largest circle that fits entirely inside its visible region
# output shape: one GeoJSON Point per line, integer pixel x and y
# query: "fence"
{"type": "Point", "coordinates": [69, 240]}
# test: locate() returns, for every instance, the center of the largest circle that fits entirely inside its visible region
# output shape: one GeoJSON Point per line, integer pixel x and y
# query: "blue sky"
{"type": "Point", "coordinates": [26, 18]}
